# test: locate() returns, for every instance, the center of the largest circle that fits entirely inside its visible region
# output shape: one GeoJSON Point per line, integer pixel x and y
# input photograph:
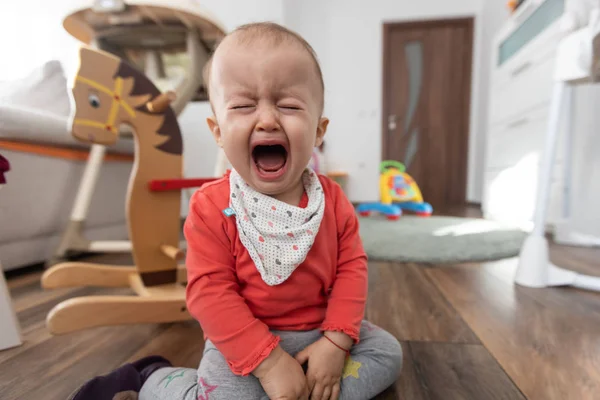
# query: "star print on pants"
{"type": "Point", "coordinates": [351, 368]}
{"type": "Point", "coordinates": [173, 376]}
{"type": "Point", "coordinates": [206, 388]}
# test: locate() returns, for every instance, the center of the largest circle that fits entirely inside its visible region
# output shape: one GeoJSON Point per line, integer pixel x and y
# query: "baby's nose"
{"type": "Point", "coordinates": [267, 120]}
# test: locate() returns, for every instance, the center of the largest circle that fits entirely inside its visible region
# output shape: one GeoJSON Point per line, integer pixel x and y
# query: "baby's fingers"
{"type": "Point", "coordinates": [326, 393]}
{"type": "Point", "coordinates": [317, 392]}
{"type": "Point", "coordinates": [335, 392]}
{"type": "Point", "coordinates": [310, 382]}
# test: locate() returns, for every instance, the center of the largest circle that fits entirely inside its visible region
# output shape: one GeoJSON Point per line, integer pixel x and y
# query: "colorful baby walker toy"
{"type": "Point", "coordinates": [398, 191]}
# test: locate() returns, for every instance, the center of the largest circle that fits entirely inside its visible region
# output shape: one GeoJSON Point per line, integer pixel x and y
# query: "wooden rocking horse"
{"type": "Point", "coordinates": [108, 92]}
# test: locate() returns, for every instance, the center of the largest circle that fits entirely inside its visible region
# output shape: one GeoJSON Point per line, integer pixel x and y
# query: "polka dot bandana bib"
{"type": "Point", "coordinates": [277, 235]}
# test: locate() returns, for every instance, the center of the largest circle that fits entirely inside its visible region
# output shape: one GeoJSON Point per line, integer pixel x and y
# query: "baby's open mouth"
{"type": "Point", "coordinates": [269, 159]}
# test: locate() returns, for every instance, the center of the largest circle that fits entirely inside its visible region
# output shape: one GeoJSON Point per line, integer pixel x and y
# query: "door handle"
{"type": "Point", "coordinates": [517, 123]}
{"type": "Point", "coordinates": [392, 122]}
{"type": "Point", "coordinates": [520, 69]}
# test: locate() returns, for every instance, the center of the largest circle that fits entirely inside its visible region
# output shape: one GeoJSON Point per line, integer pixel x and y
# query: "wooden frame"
{"type": "Point", "coordinates": [469, 23]}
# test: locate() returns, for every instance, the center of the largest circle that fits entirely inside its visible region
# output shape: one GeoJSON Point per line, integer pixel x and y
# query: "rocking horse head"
{"type": "Point", "coordinates": [108, 92]}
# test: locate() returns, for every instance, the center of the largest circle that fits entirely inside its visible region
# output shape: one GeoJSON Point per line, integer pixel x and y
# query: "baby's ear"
{"type": "Point", "coordinates": [321, 130]}
{"type": "Point", "coordinates": [215, 130]}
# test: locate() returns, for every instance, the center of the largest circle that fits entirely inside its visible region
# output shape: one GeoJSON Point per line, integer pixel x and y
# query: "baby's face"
{"type": "Point", "coordinates": [267, 102]}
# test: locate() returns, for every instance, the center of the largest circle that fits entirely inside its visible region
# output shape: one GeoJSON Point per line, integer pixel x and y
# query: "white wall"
{"type": "Point", "coordinates": [31, 33]}
{"type": "Point", "coordinates": [347, 34]}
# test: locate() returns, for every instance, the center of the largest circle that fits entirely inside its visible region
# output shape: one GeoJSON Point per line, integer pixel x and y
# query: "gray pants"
{"type": "Point", "coordinates": [374, 365]}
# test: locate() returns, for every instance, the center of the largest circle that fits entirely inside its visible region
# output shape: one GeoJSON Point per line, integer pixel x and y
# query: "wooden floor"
{"type": "Point", "coordinates": [466, 330]}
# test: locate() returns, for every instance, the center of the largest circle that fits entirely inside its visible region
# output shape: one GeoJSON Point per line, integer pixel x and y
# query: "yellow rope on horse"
{"type": "Point", "coordinates": [115, 94]}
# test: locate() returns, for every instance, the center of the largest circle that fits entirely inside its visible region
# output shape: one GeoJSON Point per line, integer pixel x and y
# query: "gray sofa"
{"type": "Point", "coordinates": [36, 202]}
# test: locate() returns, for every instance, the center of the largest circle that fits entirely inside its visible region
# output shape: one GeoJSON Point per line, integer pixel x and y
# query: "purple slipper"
{"type": "Point", "coordinates": [124, 383]}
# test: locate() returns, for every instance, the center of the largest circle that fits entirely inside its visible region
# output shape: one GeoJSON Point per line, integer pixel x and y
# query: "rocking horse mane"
{"type": "Point", "coordinates": [143, 86]}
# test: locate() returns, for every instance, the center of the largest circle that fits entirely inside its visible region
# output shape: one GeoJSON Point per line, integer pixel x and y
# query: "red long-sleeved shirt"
{"type": "Point", "coordinates": [237, 310]}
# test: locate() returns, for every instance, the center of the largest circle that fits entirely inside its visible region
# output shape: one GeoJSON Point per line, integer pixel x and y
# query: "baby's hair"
{"type": "Point", "coordinates": [274, 33]}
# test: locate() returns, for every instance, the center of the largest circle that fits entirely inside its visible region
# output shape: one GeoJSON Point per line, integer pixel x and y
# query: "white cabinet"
{"type": "Point", "coordinates": [527, 89]}
{"type": "Point", "coordinates": [520, 93]}
{"type": "Point", "coordinates": [522, 78]}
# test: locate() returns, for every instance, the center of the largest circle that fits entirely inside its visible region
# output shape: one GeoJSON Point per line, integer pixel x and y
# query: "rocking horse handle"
{"type": "Point", "coordinates": [161, 102]}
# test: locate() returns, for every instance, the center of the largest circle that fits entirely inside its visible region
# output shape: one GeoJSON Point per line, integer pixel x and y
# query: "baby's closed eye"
{"type": "Point", "coordinates": [289, 107]}
{"type": "Point", "coordinates": [242, 106]}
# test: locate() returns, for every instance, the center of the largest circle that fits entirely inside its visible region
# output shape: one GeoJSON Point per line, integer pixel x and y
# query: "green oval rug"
{"type": "Point", "coordinates": [439, 240]}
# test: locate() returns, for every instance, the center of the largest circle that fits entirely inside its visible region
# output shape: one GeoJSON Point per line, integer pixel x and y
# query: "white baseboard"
{"type": "Point", "coordinates": [39, 249]}
{"type": "Point", "coordinates": [565, 235]}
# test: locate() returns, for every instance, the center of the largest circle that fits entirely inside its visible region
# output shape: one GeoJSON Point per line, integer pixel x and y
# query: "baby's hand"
{"type": "Point", "coordinates": [325, 365]}
{"type": "Point", "coordinates": [282, 377]}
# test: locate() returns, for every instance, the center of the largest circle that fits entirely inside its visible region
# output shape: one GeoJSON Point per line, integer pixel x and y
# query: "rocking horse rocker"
{"type": "Point", "coordinates": [108, 92]}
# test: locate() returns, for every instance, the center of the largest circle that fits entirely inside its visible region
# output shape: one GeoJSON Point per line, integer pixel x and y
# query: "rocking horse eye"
{"type": "Point", "coordinates": [94, 100]}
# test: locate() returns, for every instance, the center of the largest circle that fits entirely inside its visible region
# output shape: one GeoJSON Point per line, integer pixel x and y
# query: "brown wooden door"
{"type": "Point", "coordinates": [426, 104]}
